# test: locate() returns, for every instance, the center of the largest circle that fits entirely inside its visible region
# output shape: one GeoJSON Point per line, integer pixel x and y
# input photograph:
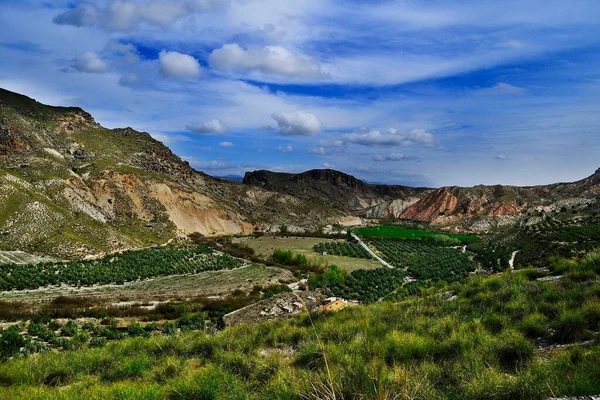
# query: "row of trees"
{"type": "Point", "coordinates": [346, 249]}
{"type": "Point", "coordinates": [426, 261]}
{"type": "Point", "coordinates": [117, 269]}
{"type": "Point", "coordinates": [366, 286]}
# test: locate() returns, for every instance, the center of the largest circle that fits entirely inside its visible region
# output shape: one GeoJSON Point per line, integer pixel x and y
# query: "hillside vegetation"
{"type": "Point", "coordinates": [509, 336]}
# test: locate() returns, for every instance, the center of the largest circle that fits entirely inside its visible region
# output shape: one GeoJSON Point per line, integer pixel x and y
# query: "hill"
{"type": "Point", "coordinates": [69, 187]}
{"type": "Point", "coordinates": [344, 191]}
{"type": "Point", "coordinates": [478, 208]}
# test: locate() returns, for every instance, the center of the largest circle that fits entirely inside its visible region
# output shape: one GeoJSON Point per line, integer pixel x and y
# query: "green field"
{"type": "Point", "coordinates": [264, 246]}
{"type": "Point", "coordinates": [409, 233]}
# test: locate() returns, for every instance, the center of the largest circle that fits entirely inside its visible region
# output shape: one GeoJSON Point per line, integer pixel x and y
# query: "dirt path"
{"type": "Point", "coordinates": [375, 256]}
{"type": "Point", "coordinates": [511, 262]}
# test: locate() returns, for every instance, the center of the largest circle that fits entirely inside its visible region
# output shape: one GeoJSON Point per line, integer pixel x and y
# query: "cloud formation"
{"type": "Point", "coordinates": [89, 63]}
{"type": "Point", "coordinates": [226, 144]}
{"type": "Point", "coordinates": [177, 65]}
{"type": "Point", "coordinates": [124, 15]}
{"type": "Point", "coordinates": [298, 123]}
{"type": "Point", "coordinates": [394, 157]}
{"type": "Point", "coordinates": [285, 149]}
{"type": "Point", "coordinates": [392, 138]}
{"type": "Point", "coordinates": [268, 60]}
{"type": "Point", "coordinates": [503, 89]}
{"type": "Point", "coordinates": [214, 126]}
{"type": "Point", "coordinates": [83, 14]}
{"type": "Point", "coordinates": [319, 151]}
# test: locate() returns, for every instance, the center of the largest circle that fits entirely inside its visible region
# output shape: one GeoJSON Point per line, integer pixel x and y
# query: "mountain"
{"type": "Point", "coordinates": [478, 208]}
{"type": "Point", "coordinates": [69, 187]}
{"type": "Point", "coordinates": [342, 190]}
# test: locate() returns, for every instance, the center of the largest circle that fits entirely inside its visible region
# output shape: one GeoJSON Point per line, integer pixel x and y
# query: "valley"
{"type": "Point", "coordinates": [125, 270]}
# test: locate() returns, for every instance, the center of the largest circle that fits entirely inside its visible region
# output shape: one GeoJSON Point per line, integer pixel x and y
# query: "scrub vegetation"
{"type": "Point", "coordinates": [508, 336]}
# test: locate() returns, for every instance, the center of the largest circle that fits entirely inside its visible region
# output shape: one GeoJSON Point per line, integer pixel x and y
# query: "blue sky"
{"type": "Point", "coordinates": [408, 92]}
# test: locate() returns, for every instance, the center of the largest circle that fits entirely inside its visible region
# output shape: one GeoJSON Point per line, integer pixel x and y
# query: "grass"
{"type": "Point", "coordinates": [480, 345]}
{"type": "Point", "coordinates": [409, 233]}
{"type": "Point", "coordinates": [265, 246]}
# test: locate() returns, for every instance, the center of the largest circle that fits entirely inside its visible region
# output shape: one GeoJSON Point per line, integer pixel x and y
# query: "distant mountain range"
{"type": "Point", "coordinates": [69, 187]}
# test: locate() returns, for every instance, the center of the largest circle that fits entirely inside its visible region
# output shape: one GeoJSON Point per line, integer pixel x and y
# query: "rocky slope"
{"type": "Point", "coordinates": [484, 207]}
{"type": "Point", "coordinates": [69, 187]}
{"type": "Point", "coordinates": [344, 191]}
{"type": "Point", "coordinates": [478, 208]}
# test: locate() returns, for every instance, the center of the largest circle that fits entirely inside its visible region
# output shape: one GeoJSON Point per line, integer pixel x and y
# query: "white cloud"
{"type": "Point", "coordinates": [394, 157]}
{"type": "Point", "coordinates": [327, 165]}
{"type": "Point", "coordinates": [125, 15]}
{"type": "Point", "coordinates": [90, 63]}
{"type": "Point", "coordinates": [501, 157]}
{"type": "Point", "coordinates": [226, 144]}
{"type": "Point", "coordinates": [83, 14]}
{"type": "Point", "coordinates": [268, 60]}
{"type": "Point", "coordinates": [285, 149]}
{"type": "Point", "coordinates": [115, 46]}
{"type": "Point", "coordinates": [208, 127]}
{"type": "Point", "coordinates": [319, 151]}
{"type": "Point", "coordinates": [502, 88]}
{"type": "Point", "coordinates": [392, 138]}
{"type": "Point", "coordinates": [331, 143]}
{"type": "Point", "coordinates": [297, 123]}
{"type": "Point", "coordinates": [177, 65]}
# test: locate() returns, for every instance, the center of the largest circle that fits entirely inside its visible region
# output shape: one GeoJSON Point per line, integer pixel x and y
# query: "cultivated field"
{"type": "Point", "coordinates": [408, 233]}
{"type": "Point", "coordinates": [211, 283]}
{"type": "Point", "coordinates": [265, 246]}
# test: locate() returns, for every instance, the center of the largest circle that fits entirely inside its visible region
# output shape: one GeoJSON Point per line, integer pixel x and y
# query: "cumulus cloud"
{"type": "Point", "coordinates": [285, 149]}
{"type": "Point", "coordinates": [268, 60]}
{"type": "Point", "coordinates": [117, 47]}
{"type": "Point", "coordinates": [123, 15]}
{"type": "Point", "coordinates": [177, 65]}
{"type": "Point", "coordinates": [226, 144]}
{"type": "Point", "coordinates": [208, 127]}
{"type": "Point", "coordinates": [208, 164]}
{"type": "Point", "coordinates": [394, 157]}
{"type": "Point", "coordinates": [392, 138]}
{"type": "Point", "coordinates": [297, 123]}
{"type": "Point", "coordinates": [331, 143]}
{"type": "Point", "coordinates": [89, 63]}
{"type": "Point", "coordinates": [319, 151]}
{"type": "Point", "coordinates": [327, 165]}
{"type": "Point", "coordinates": [503, 89]}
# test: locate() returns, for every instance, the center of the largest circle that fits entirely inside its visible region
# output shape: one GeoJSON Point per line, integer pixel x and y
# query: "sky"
{"type": "Point", "coordinates": [422, 93]}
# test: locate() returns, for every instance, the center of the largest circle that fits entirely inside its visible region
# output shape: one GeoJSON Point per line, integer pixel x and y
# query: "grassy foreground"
{"type": "Point", "coordinates": [501, 337]}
